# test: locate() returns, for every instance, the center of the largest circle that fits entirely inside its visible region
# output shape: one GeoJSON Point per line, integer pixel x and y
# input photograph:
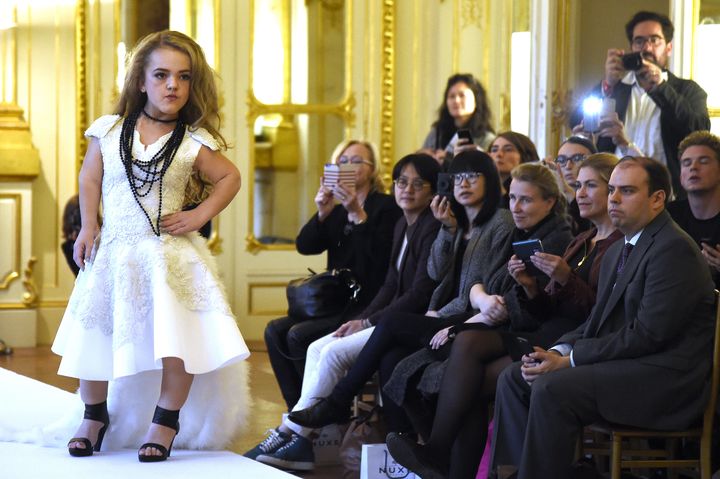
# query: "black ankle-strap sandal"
{"type": "Point", "coordinates": [95, 412]}
{"type": "Point", "coordinates": [167, 418]}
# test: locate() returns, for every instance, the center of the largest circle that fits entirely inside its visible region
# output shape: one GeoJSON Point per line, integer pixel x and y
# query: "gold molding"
{"type": "Point", "coordinates": [473, 13]}
{"type": "Point", "coordinates": [30, 297]}
{"type": "Point", "coordinates": [713, 112]}
{"type": "Point", "coordinates": [387, 92]}
{"type": "Point", "coordinates": [13, 275]}
{"type": "Point", "coordinates": [80, 84]}
{"type": "Point", "coordinates": [250, 307]}
{"type": "Point", "coordinates": [561, 101]}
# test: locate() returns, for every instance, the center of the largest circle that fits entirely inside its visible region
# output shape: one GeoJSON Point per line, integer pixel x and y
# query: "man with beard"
{"type": "Point", "coordinates": [654, 109]}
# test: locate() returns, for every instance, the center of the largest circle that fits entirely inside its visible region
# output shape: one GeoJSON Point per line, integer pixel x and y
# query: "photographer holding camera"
{"type": "Point", "coordinates": [654, 109]}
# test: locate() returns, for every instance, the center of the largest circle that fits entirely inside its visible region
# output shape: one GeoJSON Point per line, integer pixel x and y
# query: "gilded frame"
{"type": "Point", "coordinates": [344, 109]}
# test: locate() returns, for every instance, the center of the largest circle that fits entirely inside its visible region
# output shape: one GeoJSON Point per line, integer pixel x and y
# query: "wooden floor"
{"type": "Point", "coordinates": [41, 364]}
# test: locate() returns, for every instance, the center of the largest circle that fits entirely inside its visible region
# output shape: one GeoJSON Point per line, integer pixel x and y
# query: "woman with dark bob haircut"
{"type": "Point", "coordinates": [464, 107]}
{"type": "Point", "coordinates": [461, 257]}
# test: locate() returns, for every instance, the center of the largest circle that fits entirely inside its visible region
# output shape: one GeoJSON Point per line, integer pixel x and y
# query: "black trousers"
{"type": "Point", "coordinates": [287, 340]}
{"type": "Point", "coordinates": [399, 334]}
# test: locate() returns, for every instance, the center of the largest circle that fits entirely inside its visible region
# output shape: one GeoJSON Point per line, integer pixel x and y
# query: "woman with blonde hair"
{"type": "Point", "coordinates": [354, 224]}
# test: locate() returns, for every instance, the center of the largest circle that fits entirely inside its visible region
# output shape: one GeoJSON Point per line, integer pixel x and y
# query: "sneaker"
{"type": "Point", "coordinates": [323, 413]}
{"type": "Point", "coordinates": [296, 455]}
{"type": "Point", "coordinates": [274, 441]}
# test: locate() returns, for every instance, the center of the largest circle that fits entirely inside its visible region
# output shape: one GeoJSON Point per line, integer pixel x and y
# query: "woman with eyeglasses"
{"type": "Point", "coordinates": [462, 255]}
{"type": "Point", "coordinates": [354, 225]}
{"type": "Point", "coordinates": [540, 310]}
{"type": "Point", "coordinates": [464, 107]}
{"type": "Point", "coordinates": [508, 150]}
{"type": "Point", "coordinates": [565, 166]}
{"type": "Point", "coordinates": [538, 208]}
{"type": "Point", "coordinates": [407, 288]}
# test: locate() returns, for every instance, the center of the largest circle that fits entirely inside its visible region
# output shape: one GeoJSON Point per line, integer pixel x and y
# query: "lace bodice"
{"type": "Point", "coordinates": [123, 218]}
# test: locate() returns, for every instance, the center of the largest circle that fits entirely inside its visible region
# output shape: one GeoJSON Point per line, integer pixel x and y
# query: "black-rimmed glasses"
{"type": "Point", "coordinates": [403, 183]}
{"type": "Point", "coordinates": [470, 176]}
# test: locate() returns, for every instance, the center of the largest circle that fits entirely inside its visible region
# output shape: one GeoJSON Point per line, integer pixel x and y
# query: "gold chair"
{"type": "Point", "coordinates": [623, 457]}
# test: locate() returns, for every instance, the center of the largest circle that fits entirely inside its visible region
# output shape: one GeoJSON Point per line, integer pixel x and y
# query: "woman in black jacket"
{"type": "Point", "coordinates": [354, 224]}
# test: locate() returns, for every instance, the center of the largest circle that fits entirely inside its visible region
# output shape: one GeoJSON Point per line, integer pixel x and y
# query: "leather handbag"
{"type": "Point", "coordinates": [322, 294]}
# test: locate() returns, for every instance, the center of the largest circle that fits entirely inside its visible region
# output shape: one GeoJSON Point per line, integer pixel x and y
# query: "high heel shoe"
{"type": "Point", "coordinates": [166, 418]}
{"type": "Point", "coordinates": [94, 412]}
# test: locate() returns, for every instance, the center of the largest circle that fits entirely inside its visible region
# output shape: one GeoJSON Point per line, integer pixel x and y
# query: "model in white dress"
{"type": "Point", "coordinates": [145, 297]}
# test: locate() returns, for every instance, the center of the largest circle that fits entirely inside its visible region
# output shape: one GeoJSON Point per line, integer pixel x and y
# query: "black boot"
{"type": "Point", "coordinates": [325, 412]}
{"type": "Point", "coordinates": [415, 457]}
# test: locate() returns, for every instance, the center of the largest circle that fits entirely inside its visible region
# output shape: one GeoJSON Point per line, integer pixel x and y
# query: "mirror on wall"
{"type": "Point", "coordinates": [287, 171]}
{"type": "Point", "coordinates": [299, 109]}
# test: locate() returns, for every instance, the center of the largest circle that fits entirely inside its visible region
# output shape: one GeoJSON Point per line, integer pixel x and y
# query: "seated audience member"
{"type": "Point", "coordinates": [508, 150]}
{"type": "Point", "coordinates": [354, 224]}
{"type": "Point", "coordinates": [473, 226]}
{"type": "Point", "coordinates": [565, 165]}
{"type": "Point", "coordinates": [486, 342]}
{"type": "Point", "coordinates": [699, 213]}
{"type": "Point", "coordinates": [407, 288]}
{"type": "Point", "coordinates": [464, 107]}
{"type": "Point", "coordinates": [654, 109]}
{"type": "Point", "coordinates": [642, 357]}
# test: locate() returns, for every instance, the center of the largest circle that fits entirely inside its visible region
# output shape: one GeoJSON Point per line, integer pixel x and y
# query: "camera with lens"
{"type": "Point", "coordinates": [632, 61]}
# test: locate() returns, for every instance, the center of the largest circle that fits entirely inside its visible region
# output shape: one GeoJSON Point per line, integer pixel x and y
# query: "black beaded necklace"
{"type": "Point", "coordinates": [151, 171]}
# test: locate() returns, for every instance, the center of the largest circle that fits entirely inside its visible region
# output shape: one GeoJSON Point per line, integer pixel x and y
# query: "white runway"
{"type": "Point", "coordinates": [27, 405]}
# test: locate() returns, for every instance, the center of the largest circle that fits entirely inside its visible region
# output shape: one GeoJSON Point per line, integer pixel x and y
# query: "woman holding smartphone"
{"type": "Point", "coordinates": [354, 224]}
{"type": "Point", "coordinates": [463, 120]}
{"type": "Point", "coordinates": [540, 309]}
{"type": "Point", "coordinates": [538, 210]}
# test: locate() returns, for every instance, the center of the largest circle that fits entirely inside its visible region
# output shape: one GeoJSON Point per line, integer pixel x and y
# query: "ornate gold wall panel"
{"type": "Point", "coordinates": [12, 230]}
{"type": "Point", "coordinates": [263, 298]}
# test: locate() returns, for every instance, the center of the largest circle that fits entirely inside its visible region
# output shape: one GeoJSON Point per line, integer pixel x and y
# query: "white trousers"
{"type": "Point", "coordinates": [328, 360]}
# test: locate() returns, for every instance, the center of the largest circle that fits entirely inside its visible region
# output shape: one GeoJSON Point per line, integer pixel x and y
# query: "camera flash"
{"type": "Point", "coordinates": [592, 105]}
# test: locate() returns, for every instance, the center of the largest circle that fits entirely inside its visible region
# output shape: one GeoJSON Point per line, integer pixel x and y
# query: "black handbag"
{"type": "Point", "coordinates": [322, 294]}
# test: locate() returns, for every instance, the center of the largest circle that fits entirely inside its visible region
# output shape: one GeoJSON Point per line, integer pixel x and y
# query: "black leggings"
{"type": "Point", "coordinates": [460, 426]}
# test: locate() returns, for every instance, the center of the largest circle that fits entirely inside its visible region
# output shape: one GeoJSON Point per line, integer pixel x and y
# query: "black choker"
{"type": "Point", "coordinates": [158, 119]}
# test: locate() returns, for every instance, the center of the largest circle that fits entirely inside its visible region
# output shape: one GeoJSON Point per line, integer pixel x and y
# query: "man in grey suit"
{"type": "Point", "coordinates": [643, 356]}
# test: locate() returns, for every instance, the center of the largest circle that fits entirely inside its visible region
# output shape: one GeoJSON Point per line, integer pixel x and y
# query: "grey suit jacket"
{"type": "Point", "coordinates": [649, 337]}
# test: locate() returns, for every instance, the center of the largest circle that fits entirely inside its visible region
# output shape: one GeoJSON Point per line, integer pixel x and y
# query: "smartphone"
{"type": "Point", "coordinates": [445, 185]}
{"type": "Point", "coordinates": [516, 346]}
{"type": "Point", "coordinates": [334, 174]}
{"type": "Point", "coordinates": [464, 134]}
{"type": "Point", "coordinates": [524, 250]}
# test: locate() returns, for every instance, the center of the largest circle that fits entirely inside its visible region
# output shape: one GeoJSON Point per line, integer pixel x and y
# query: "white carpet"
{"type": "Point", "coordinates": [27, 406]}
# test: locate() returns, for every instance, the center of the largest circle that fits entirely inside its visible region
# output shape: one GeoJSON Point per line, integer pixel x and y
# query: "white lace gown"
{"type": "Point", "coordinates": [144, 298]}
